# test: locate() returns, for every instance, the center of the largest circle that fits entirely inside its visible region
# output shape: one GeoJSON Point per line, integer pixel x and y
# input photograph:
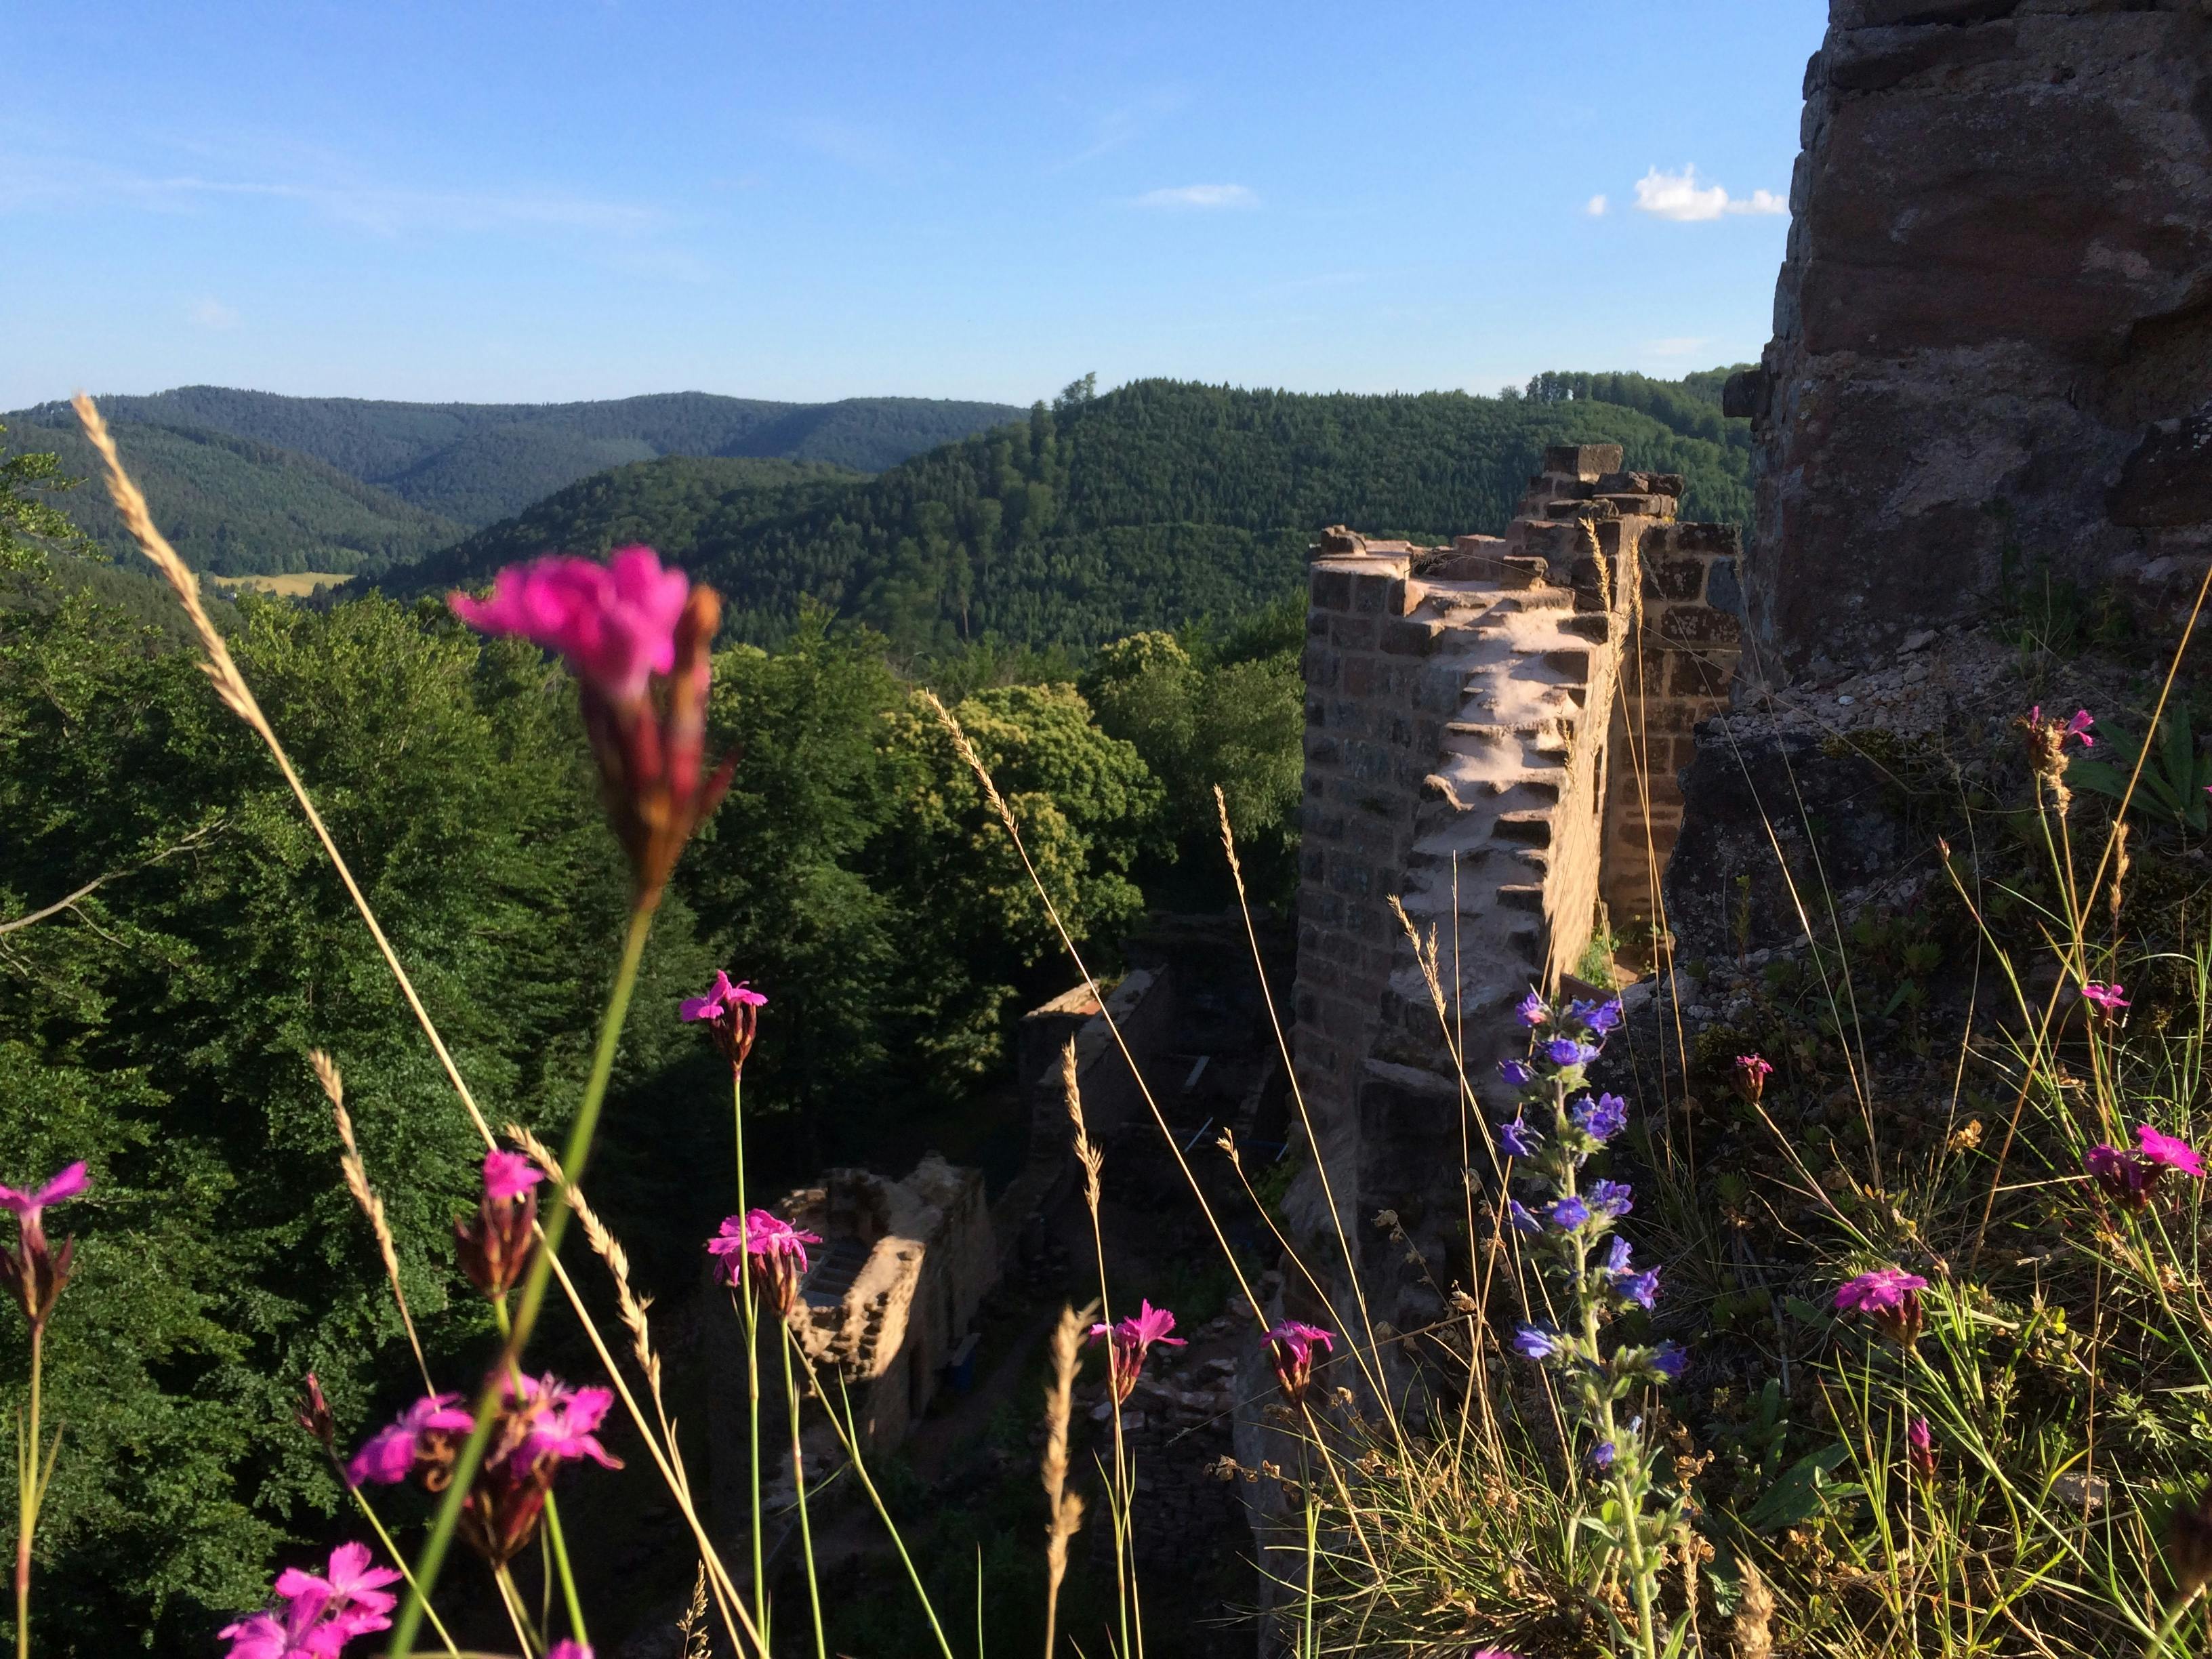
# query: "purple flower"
{"type": "Point", "coordinates": [1920, 1448]}
{"type": "Point", "coordinates": [1669, 1359]}
{"type": "Point", "coordinates": [731, 1014]}
{"type": "Point", "coordinates": [568, 1647]}
{"type": "Point", "coordinates": [1601, 1455]}
{"type": "Point", "coordinates": [1601, 1119]}
{"type": "Point", "coordinates": [770, 1249]}
{"type": "Point", "coordinates": [614, 622]}
{"type": "Point", "coordinates": [1538, 1343]}
{"type": "Point", "coordinates": [36, 1273]}
{"type": "Point", "coordinates": [1532, 1010]}
{"type": "Point", "coordinates": [1565, 1052]}
{"type": "Point", "coordinates": [1598, 1017]}
{"type": "Point", "coordinates": [1569, 1213]}
{"type": "Point", "coordinates": [496, 1243]}
{"type": "Point", "coordinates": [1516, 1073]}
{"type": "Point", "coordinates": [1641, 1289]}
{"type": "Point", "coordinates": [1517, 1213]}
{"type": "Point", "coordinates": [1518, 1138]}
{"type": "Point", "coordinates": [1289, 1351]}
{"type": "Point", "coordinates": [1612, 1198]}
{"type": "Point", "coordinates": [1888, 1296]}
{"type": "Point", "coordinates": [2168, 1152]}
{"type": "Point", "coordinates": [622, 625]}
{"type": "Point", "coordinates": [1616, 1257]}
{"type": "Point", "coordinates": [1129, 1341]}
{"type": "Point", "coordinates": [2107, 999]}
{"type": "Point", "coordinates": [390, 1456]}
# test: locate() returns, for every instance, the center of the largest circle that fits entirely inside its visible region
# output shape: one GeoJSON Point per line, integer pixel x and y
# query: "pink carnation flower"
{"type": "Point", "coordinates": [2168, 1152]}
{"type": "Point", "coordinates": [389, 1457]}
{"type": "Point", "coordinates": [322, 1611]}
{"type": "Point", "coordinates": [614, 622]}
{"type": "Point", "coordinates": [35, 1273]}
{"type": "Point", "coordinates": [2107, 999]}
{"type": "Point", "coordinates": [1752, 1071]}
{"type": "Point", "coordinates": [1920, 1448]}
{"type": "Point", "coordinates": [510, 1174]}
{"type": "Point", "coordinates": [1289, 1351]}
{"type": "Point", "coordinates": [770, 1249]}
{"type": "Point", "coordinates": [1888, 1296]}
{"type": "Point", "coordinates": [1129, 1340]}
{"type": "Point", "coordinates": [731, 1014]}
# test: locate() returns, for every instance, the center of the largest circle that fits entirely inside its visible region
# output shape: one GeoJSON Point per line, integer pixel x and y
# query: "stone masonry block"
{"type": "Point", "coordinates": [1572, 665]}
{"type": "Point", "coordinates": [1359, 674]}
{"type": "Point", "coordinates": [1673, 576]}
{"type": "Point", "coordinates": [1374, 596]}
{"type": "Point", "coordinates": [1588, 462]}
{"type": "Point", "coordinates": [1332, 590]}
{"type": "Point", "coordinates": [1408, 639]}
{"type": "Point", "coordinates": [1698, 624]}
{"type": "Point", "coordinates": [1353, 633]}
{"type": "Point", "coordinates": [1693, 675]}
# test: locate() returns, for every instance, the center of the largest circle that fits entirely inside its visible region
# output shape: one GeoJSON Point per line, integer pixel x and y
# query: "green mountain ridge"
{"type": "Point", "coordinates": [1151, 505]}
{"type": "Point", "coordinates": [258, 483]}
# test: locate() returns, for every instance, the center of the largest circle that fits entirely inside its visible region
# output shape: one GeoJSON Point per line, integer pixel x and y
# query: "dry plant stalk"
{"type": "Point", "coordinates": [1751, 1631]}
{"type": "Point", "coordinates": [1086, 1154]}
{"type": "Point", "coordinates": [693, 1639]}
{"type": "Point", "coordinates": [238, 696]}
{"type": "Point", "coordinates": [1066, 1508]}
{"type": "Point", "coordinates": [1424, 953]}
{"type": "Point", "coordinates": [356, 1180]}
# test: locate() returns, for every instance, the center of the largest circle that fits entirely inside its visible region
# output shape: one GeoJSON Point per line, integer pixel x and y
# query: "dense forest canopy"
{"type": "Point", "coordinates": [1100, 516]}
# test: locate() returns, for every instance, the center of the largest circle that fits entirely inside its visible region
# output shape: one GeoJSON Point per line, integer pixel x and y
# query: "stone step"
{"type": "Point", "coordinates": [1532, 828]}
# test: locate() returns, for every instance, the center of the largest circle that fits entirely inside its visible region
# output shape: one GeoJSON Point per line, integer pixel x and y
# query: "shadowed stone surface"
{"type": "Point", "coordinates": [1993, 331]}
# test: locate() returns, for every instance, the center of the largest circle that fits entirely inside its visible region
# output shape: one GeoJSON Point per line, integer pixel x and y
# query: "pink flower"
{"type": "Point", "coordinates": [639, 638]}
{"type": "Point", "coordinates": [1888, 1296]}
{"type": "Point", "coordinates": [2107, 999]}
{"type": "Point", "coordinates": [423, 1432]}
{"type": "Point", "coordinates": [510, 1174]}
{"type": "Point", "coordinates": [1920, 1448]}
{"type": "Point", "coordinates": [770, 1249]}
{"type": "Point", "coordinates": [321, 1613]}
{"type": "Point", "coordinates": [1289, 1351]}
{"type": "Point", "coordinates": [730, 1013]}
{"type": "Point", "coordinates": [568, 1647]}
{"type": "Point", "coordinates": [2168, 1151]}
{"type": "Point", "coordinates": [35, 1273]}
{"type": "Point", "coordinates": [495, 1245]}
{"type": "Point", "coordinates": [1752, 1071]}
{"type": "Point", "coordinates": [2078, 727]}
{"type": "Point", "coordinates": [563, 1429]}
{"type": "Point", "coordinates": [1129, 1340]}
{"type": "Point", "coordinates": [614, 622]}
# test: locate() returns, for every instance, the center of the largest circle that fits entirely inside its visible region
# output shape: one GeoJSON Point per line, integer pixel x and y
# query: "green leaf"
{"type": "Point", "coordinates": [1799, 1495]}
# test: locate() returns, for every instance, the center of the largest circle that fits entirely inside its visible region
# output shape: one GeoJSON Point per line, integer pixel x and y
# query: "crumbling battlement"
{"type": "Point", "coordinates": [1492, 734]}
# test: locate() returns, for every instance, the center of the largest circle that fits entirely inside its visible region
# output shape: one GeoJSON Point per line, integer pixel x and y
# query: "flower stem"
{"type": "Point", "coordinates": [749, 1313]}
{"type": "Point", "coordinates": [569, 1596]}
{"type": "Point", "coordinates": [27, 1492]}
{"type": "Point", "coordinates": [799, 1484]}
{"type": "Point", "coordinates": [574, 1157]}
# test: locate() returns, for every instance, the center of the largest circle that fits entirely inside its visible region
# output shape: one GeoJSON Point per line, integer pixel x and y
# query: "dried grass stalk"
{"type": "Point", "coordinates": [1064, 1508]}
{"type": "Point", "coordinates": [1086, 1154]}
{"type": "Point", "coordinates": [1751, 1631]}
{"type": "Point", "coordinates": [356, 1180]}
{"type": "Point", "coordinates": [693, 1639]}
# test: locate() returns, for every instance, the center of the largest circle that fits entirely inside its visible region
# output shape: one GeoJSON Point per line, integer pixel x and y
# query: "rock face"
{"type": "Point", "coordinates": [1993, 331]}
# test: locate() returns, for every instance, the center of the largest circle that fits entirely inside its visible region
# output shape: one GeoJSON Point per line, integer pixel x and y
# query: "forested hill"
{"type": "Point", "coordinates": [252, 482]}
{"type": "Point", "coordinates": [1154, 504]}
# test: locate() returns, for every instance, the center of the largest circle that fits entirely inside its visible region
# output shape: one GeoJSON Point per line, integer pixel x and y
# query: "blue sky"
{"type": "Point", "coordinates": [582, 198]}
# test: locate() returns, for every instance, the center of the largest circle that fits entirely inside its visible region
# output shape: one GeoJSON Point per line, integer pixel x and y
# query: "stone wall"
{"type": "Point", "coordinates": [1992, 351]}
{"type": "Point", "coordinates": [1471, 755]}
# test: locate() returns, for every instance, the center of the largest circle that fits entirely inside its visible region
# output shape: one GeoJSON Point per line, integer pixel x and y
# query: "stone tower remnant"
{"type": "Point", "coordinates": [1492, 734]}
{"type": "Point", "coordinates": [1992, 351]}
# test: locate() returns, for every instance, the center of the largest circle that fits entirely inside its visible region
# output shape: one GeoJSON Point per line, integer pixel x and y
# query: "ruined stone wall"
{"type": "Point", "coordinates": [1992, 350]}
{"type": "Point", "coordinates": [1461, 760]}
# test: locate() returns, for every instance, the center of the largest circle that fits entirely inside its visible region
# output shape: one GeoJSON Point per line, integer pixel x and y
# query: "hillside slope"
{"type": "Point", "coordinates": [476, 463]}
{"type": "Point", "coordinates": [1149, 506]}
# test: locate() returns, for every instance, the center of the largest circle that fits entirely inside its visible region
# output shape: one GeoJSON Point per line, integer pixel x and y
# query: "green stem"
{"type": "Point", "coordinates": [567, 1575]}
{"type": "Point", "coordinates": [27, 1494]}
{"type": "Point", "coordinates": [392, 1550]}
{"type": "Point", "coordinates": [573, 1158]}
{"type": "Point", "coordinates": [798, 1484]}
{"type": "Point", "coordinates": [749, 1312]}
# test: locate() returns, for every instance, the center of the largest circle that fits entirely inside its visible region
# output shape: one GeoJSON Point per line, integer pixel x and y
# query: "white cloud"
{"type": "Point", "coordinates": [1595, 207]}
{"type": "Point", "coordinates": [213, 313]}
{"type": "Point", "coordinates": [1199, 196]}
{"type": "Point", "coordinates": [1679, 196]}
{"type": "Point", "coordinates": [1678, 345]}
